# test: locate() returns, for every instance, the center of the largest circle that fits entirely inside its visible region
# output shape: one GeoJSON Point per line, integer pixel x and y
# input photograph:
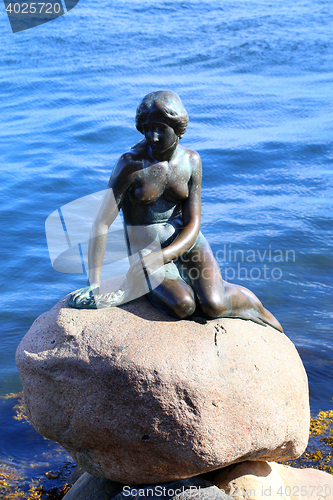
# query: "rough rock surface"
{"type": "Point", "coordinates": [137, 397]}
{"type": "Point", "coordinates": [88, 487]}
{"type": "Point", "coordinates": [272, 481]}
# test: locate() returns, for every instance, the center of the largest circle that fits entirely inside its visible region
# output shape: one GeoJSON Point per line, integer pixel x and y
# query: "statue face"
{"type": "Point", "coordinates": [159, 135]}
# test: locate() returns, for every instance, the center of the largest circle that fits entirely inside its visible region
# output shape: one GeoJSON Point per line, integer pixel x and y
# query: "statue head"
{"type": "Point", "coordinates": [165, 106]}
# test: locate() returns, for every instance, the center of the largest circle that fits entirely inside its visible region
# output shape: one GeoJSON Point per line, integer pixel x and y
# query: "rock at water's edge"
{"type": "Point", "coordinates": [137, 397]}
{"type": "Point", "coordinates": [88, 487]}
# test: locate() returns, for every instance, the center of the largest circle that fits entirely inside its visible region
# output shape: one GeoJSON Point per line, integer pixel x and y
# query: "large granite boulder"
{"type": "Point", "coordinates": [137, 397]}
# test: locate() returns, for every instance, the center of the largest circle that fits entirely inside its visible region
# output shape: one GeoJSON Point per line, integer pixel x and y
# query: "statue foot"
{"type": "Point", "coordinates": [271, 320]}
{"type": "Point", "coordinates": [242, 303]}
{"type": "Point", "coordinates": [262, 319]}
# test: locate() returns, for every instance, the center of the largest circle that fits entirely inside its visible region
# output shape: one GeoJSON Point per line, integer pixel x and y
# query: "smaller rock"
{"type": "Point", "coordinates": [76, 473]}
{"type": "Point", "coordinates": [272, 481]}
{"type": "Point", "coordinates": [307, 484]}
{"type": "Point", "coordinates": [250, 480]}
{"type": "Point", "coordinates": [88, 487]}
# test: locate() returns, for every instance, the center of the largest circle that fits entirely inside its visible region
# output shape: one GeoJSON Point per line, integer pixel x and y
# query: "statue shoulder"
{"type": "Point", "coordinates": [128, 162]}
{"type": "Point", "coordinates": [140, 147]}
{"type": "Point", "coordinates": [127, 166]}
{"type": "Point", "coordinates": [195, 161]}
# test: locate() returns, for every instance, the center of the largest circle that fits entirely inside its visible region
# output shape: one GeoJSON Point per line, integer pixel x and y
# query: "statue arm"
{"type": "Point", "coordinates": [106, 214]}
{"type": "Point", "coordinates": [191, 215]}
{"type": "Point", "coordinates": [108, 210]}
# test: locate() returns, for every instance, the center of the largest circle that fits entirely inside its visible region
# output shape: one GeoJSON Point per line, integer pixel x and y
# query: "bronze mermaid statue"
{"type": "Point", "coordinates": [157, 185]}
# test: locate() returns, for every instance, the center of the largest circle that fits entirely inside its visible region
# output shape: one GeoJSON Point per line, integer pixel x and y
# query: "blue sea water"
{"type": "Point", "coordinates": [256, 78]}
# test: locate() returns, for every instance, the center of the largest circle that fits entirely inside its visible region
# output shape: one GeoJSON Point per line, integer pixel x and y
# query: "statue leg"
{"type": "Point", "coordinates": [173, 296]}
{"type": "Point", "coordinates": [216, 297]}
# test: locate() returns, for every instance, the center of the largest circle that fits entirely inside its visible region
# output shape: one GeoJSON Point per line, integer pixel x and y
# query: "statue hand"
{"type": "Point", "coordinates": [146, 266]}
{"type": "Point", "coordinates": [84, 298]}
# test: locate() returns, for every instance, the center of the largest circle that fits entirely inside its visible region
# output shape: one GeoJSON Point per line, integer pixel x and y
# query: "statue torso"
{"type": "Point", "coordinates": [157, 189]}
{"type": "Point", "coordinates": [154, 198]}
